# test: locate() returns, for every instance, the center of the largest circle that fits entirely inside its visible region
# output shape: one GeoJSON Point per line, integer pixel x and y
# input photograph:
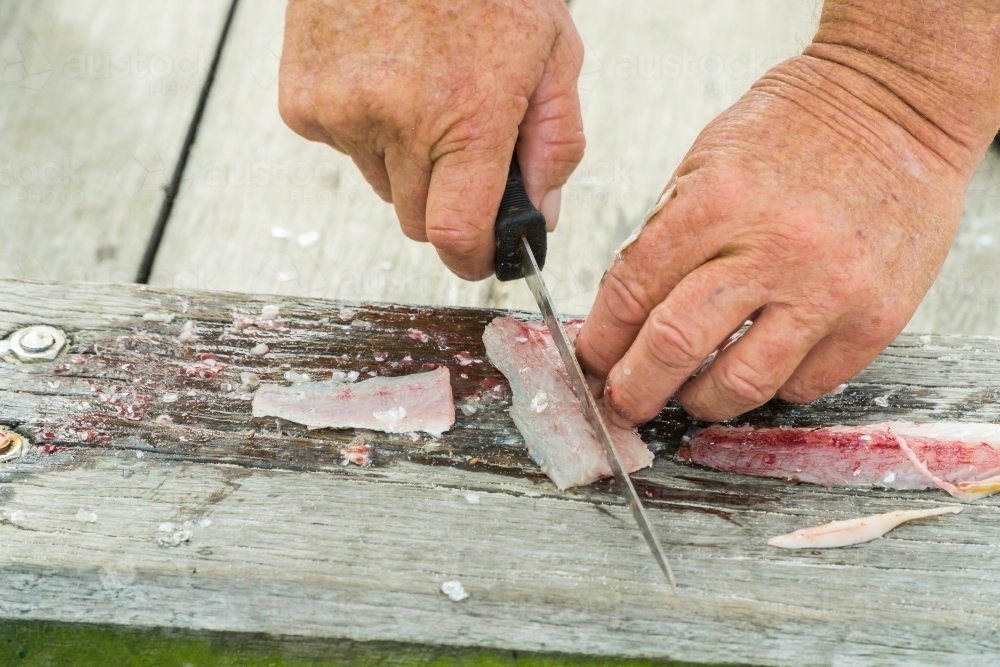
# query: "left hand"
{"type": "Point", "coordinates": [813, 207]}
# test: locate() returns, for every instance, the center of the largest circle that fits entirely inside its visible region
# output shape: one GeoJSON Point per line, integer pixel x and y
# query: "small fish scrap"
{"type": "Point", "coordinates": [357, 452]}
{"type": "Point", "coordinates": [853, 531]}
{"type": "Point", "coordinates": [418, 402]}
{"type": "Point", "coordinates": [546, 410]}
{"type": "Point", "coordinates": [960, 458]}
{"type": "Point", "coordinates": [189, 332]}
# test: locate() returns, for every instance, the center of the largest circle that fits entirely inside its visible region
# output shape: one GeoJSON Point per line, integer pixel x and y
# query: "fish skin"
{"type": "Point", "coordinates": [403, 404]}
{"type": "Point", "coordinates": [559, 438]}
{"type": "Point", "coordinates": [849, 532]}
{"type": "Point", "coordinates": [860, 456]}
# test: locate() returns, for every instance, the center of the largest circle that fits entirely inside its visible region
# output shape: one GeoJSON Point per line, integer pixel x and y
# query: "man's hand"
{"type": "Point", "coordinates": [821, 206]}
{"type": "Point", "coordinates": [428, 99]}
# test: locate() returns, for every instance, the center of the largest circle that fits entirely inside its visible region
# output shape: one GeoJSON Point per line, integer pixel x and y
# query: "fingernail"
{"type": "Point", "coordinates": [551, 203]}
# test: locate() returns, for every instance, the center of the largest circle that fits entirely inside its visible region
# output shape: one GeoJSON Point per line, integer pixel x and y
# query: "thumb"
{"type": "Point", "coordinates": [550, 142]}
{"type": "Point", "coordinates": [465, 191]}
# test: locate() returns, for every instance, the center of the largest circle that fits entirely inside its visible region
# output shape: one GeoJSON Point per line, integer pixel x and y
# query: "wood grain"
{"type": "Point", "coordinates": [301, 545]}
{"type": "Point", "coordinates": [95, 102]}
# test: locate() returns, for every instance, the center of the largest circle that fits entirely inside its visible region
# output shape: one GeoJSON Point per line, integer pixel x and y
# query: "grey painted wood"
{"type": "Point", "coordinates": [95, 102]}
{"type": "Point", "coordinates": [298, 544]}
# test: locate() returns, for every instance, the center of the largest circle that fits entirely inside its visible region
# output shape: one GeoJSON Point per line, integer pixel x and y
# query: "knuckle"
{"type": "Point", "coordinates": [671, 345]}
{"type": "Point", "coordinates": [292, 112]}
{"type": "Point", "coordinates": [748, 385]}
{"type": "Point", "coordinates": [801, 392]}
{"type": "Point", "coordinates": [624, 299]}
{"type": "Point", "coordinates": [455, 239]}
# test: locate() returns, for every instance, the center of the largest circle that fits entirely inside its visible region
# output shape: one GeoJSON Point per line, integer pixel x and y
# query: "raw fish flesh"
{"type": "Point", "coordinates": [546, 410]}
{"type": "Point", "coordinates": [418, 402]}
{"type": "Point", "coordinates": [960, 458]}
{"type": "Point", "coordinates": [853, 531]}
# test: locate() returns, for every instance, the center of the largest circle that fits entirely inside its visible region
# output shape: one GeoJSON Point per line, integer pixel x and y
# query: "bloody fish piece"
{"type": "Point", "coordinates": [849, 532]}
{"type": "Point", "coordinates": [961, 458]}
{"type": "Point", "coordinates": [418, 402]}
{"type": "Point", "coordinates": [546, 410]}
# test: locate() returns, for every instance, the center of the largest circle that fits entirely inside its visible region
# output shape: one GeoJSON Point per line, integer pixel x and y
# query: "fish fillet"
{"type": "Point", "coordinates": [960, 458]}
{"type": "Point", "coordinates": [546, 410]}
{"type": "Point", "coordinates": [853, 531]}
{"type": "Point", "coordinates": [418, 402]}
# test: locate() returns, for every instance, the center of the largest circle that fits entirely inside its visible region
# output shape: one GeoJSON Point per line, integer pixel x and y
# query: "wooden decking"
{"type": "Point", "coordinates": [98, 107]}
{"type": "Point", "coordinates": [153, 498]}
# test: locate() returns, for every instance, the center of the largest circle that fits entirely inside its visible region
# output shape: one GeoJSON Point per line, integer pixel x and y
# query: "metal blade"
{"type": "Point", "coordinates": [579, 382]}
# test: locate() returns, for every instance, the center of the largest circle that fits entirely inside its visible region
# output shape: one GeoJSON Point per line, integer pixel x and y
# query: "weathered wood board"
{"type": "Point", "coordinates": [96, 99]}
{"type": "Point", "coordinates": [283, 539]}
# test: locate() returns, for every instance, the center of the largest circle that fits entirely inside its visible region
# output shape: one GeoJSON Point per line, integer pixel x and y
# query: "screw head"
{"type": "Point", "coordinates": [37, 340]}
{"type": "Point", "coordinates": [12, 446]}
{"type": "Point", "coordinates": [37, 343]}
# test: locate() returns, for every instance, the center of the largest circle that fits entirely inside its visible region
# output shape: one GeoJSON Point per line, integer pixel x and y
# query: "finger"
{"type": "Point", "coordinates": [462, 201]}
{"type": "Point", "coordinates": [833, 361]}
{"type": "Point", "coordinates": [372, 167]}
{"type": "Point", "coordinates": [750, 372]}
{"type": "Point", "coordinates": [697, 316]}
{"type": "Point", "coordinates": [410, 176]}
{"type": "Point", "coordinates": [632, 288]}
{"type": "Point", "coordinates": [550, 141]}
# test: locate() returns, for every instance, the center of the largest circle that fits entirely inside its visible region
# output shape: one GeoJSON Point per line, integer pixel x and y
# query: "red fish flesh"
{"type": "Point", "coordinates": [418, 402]}
{"type": "Point", "coordinates": [546, 410]}
{"type": "Point", "coordinates": [960, 458]}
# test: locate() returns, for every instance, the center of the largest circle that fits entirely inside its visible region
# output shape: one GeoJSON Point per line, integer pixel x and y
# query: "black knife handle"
{"type": "Point", "coordinates": [517, 219]}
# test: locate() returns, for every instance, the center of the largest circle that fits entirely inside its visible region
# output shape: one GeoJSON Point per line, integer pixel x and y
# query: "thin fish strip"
{"type": "Point", "coordinates": [417, 402]}
{"type": "Point", "coordinates": [853, 531]}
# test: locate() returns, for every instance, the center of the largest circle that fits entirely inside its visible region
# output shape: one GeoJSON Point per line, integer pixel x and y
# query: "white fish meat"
{"type": "Point", "coordinates": [958, 457]}
{"type": "Point", "coordinates": [853, 531]}
{"type": "Point", "coordinates": [418, 402]}
{"type": "Point", "coordinates": [546, 410]}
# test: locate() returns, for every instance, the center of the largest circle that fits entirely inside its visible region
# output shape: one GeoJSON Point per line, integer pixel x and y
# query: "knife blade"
{"type": "Point", "coordinates": [518, 221]}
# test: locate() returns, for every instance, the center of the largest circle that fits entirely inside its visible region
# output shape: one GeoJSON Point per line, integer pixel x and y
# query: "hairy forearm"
{"type": "Point", "coordinates": [931, 65]}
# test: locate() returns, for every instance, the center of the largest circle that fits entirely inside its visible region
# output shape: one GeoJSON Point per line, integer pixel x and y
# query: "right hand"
{"type": "Point", "coordinates": [430, 98]}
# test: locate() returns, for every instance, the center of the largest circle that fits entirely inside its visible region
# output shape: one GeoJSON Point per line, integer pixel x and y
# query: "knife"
{"type": "Point", "coordinates": [521, 246]}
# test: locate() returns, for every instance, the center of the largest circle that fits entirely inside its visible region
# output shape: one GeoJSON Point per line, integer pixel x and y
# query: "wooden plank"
{"type": "Point", "coordinates": [95, 101]}
{"type": "Point", "coordinates": [301, 545]}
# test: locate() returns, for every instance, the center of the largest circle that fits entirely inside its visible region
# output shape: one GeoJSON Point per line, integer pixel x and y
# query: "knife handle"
{"type": "Point", "coordinates": [517, 218]}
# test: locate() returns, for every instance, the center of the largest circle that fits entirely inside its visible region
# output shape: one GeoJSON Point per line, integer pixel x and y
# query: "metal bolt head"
{"type": "Point", "coordinates": [12, 446]}
{"type": "Point", "coordinates": [37, 340]}
{"type": "Point", "coordinates": [37, 343]}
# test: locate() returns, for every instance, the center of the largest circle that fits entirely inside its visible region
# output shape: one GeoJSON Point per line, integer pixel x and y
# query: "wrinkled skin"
{"type": "Point", "coordinates": [801, 207]}
{"type": "Point", "coordinates": [821, 205]}
{"type": "Point", "coordinates": [429, 98]}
